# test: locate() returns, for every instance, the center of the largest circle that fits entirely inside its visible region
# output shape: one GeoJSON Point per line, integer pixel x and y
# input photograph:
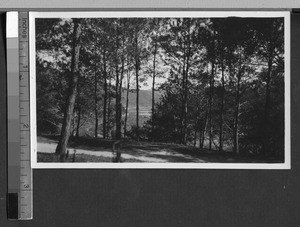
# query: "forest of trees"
{"type": "Point", "coordinates": [223, 86]}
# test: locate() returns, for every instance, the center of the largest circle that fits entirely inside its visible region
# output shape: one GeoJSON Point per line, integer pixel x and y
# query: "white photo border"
{"type": "Point", "coordinates": [161, 14]}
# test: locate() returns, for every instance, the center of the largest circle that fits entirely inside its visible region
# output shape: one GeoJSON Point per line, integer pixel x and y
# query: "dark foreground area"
{"type": "Point", "coordinates": [100, 150]}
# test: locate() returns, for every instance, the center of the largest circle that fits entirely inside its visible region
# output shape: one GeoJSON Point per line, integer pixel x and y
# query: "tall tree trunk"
{"type": "Point", "coordinates": [186, 84]}
{"type": "Point", "coordinates": [204, 130]}
{"type": "Point", "coordinates": [137, 67]}
{"type": "Point", "coordinates": [117, 107]}
{"type": "Point", "coordinates": [266, 129]}
{"type": "Point", "coordinates": [200, 138]}
{"type": "Point", "coordinates": [120, 97]}
{"type": "Point", "coordinates": [118, 123]}
{"type": "Point", "coordinates": [78, 109]}
{"type": "Point", "coordinates": [72, 91]}
{"type": "Point", "coordinates": [73, 124]}
{"type": "Point", "coordinates": [119, 120]}
{"type": "Point", "coordinates": [96, 106]}
{"type": "Point", "coordinates": [153, 88]}
{"type": "Point", "coordinates": [195, 136]}
{"type": "Point", "coordinates": [222, 109]}
{"type": "Point", "coordinates": [78, 121]}
{"type": "Point", "coordinates": [236, 117]}
{"type": "Point", "coordinates": [108, 125]}
{"type": "Point", "coordinates": [182, 129]}
{"type": "Point", "coordinates": [127, 100]}
{"type": "Point", "coordinates": [137, 106]}
{"type": "Point", "coordinates": [211, 92]}
{"type": "Point", "coordinates": [105, 95]}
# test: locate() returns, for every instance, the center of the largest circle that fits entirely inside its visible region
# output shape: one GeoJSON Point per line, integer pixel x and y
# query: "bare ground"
{"type": "Point", "coordinates": [100, 150]}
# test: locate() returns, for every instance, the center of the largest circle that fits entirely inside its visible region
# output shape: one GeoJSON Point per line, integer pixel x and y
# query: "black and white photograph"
{"type": "Point", "coordinates": [163, 89]}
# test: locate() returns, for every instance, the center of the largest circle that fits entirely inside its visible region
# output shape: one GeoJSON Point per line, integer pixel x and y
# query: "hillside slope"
{"type": "Point", "coordinates": [145, 98]}
{"type": "Point", "coordinates": [145, 105]}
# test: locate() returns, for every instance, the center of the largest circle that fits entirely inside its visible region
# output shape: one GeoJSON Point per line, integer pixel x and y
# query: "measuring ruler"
{"type": "Point", "coordinates": [19, 199]}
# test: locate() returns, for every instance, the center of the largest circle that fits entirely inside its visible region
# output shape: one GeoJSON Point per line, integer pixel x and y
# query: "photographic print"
{"type": "Point", "coordinates": [160, 89]}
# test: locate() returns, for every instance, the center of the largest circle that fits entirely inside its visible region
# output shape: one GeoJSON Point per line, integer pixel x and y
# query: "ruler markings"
{"type": "Point", "coordinates": [25, 211]}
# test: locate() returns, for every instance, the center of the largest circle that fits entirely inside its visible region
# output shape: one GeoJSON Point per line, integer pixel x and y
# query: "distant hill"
{"type": "Point", "coordinates": [145, 105]}
{"type": "Point", "coordinates": [145, 101]}
{"type": "Point", "coordinates": [145, 98]}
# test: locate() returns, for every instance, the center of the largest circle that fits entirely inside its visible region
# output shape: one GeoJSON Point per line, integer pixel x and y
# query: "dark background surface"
{"type": "Point", "coordinates": [163, 197]}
